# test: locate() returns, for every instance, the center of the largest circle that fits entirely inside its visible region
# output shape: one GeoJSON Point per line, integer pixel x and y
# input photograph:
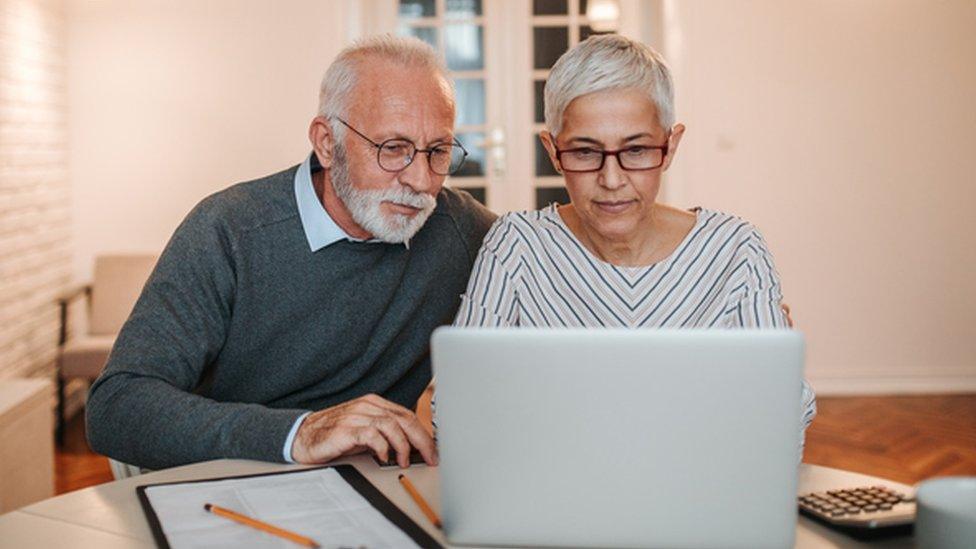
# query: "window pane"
{"type": "Point", "coordinates": [586, 31]}
{"type": "Point", "coordinates": [463, 47]}
{"type": "Point", "coordinates": [582, 7]}
{"type": "Point", "coordinates": [470, 101]}
{"type": "Point", "coordinates": [458, 9]}
{"type": "Point", "coordinates": [427, 34]}
{"type": "Point", "coordinates": [548, 43]}
{"type": "Point", "coordinates": [417, 8]}
{"type": "Point", "coordinates": [474, 164]}
{"type": "Point", "coordinates": [548, 195]}
{"type": "Point", "coordinates": [543, 166]}
{"type": "Point", "coordinates": [540, 104]}
{"type": "Point", "coordinates": [550, 7]}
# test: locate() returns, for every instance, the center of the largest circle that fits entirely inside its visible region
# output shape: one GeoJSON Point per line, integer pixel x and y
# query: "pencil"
{"type": "Point", "coordinates": [419, 499]}
{"type": "Point", "coordinates": [263, 526]}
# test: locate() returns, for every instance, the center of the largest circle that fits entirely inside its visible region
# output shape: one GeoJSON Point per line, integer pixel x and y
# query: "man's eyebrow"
{"type": "Point", "coordinates": [448, 138]}
{"type": "Point", "coordinates": [437, 141]}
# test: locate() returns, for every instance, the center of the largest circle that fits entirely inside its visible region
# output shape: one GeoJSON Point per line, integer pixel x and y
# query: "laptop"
{"type": "Point", "coordinates": [618, 437]}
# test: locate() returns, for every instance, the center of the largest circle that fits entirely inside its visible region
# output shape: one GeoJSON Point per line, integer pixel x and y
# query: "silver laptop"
{"type": "Point", "coordinates": [623, 438]}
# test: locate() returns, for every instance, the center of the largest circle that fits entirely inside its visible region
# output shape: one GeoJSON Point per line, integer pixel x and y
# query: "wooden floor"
{"type": "Point", "coordinates": [903, 438]}
{"type": "Point", "coordinates": [75, 465]}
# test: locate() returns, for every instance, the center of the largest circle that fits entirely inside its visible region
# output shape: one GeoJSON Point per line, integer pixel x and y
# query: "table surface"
{"type": "Point", "coordinates": [109, 515]}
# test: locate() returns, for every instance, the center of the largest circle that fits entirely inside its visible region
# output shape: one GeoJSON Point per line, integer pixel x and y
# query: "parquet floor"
{"type": "Point", "coordinates": [75, 465]}
{"type": "Point", "coordinates": [903, 438]}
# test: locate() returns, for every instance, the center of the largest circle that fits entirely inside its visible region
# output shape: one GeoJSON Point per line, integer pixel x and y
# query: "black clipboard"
{"type": "Point", "coordinates": [347, 472]}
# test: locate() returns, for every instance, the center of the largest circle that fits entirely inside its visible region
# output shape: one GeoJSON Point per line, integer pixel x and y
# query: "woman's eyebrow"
{"type": "Point", "coordinates": [638, 136]}
{"type": "Point", "coordinates": [588, 140]}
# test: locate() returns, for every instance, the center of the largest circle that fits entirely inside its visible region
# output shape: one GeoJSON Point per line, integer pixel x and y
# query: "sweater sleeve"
{"type": "Point", "coordinates": [143, 409]}
{"type": "Point", "coordinates": [760, 306]}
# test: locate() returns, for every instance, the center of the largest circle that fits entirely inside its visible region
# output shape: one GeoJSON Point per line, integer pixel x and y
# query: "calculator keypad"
{"type": "Point", "coordinates": [867, 504]}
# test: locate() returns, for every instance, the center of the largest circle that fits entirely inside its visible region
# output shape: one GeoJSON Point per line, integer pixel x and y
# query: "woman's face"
{"type": "Point", "coordinates": [613, 202]}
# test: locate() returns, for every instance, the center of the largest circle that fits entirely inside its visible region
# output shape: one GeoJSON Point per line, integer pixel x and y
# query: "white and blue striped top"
{"type": "Point", "coordinates": [532, 271]}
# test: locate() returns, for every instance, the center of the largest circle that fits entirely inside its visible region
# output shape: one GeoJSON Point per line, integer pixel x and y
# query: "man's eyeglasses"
{"type": "Point", "coordinates": [394, 155]}
{"type": "Point", "coordinates": [633, 158]}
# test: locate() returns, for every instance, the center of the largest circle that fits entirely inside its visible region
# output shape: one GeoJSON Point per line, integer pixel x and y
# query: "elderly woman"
{"type": "Point", "coordinates": [615, 256]}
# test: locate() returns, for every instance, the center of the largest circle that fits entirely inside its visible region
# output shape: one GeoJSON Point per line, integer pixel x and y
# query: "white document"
{"type": "Point", "coordinates": [318, 504]}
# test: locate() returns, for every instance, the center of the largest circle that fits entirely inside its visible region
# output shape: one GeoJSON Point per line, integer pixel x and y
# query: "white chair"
{"type": "Point", "coordinates": [116, 286]}
{"type": "Point", "coordinates": [124, 470]}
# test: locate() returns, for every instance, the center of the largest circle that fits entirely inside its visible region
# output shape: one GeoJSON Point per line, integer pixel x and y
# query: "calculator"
{"type": "Point", "coordinates": [866, 512]}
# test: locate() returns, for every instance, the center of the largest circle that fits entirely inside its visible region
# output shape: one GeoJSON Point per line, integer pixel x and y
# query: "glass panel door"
{"type": "Point", "coordinates": [456, 28]}
{"type": "Point", "coordinates": [499, 54]}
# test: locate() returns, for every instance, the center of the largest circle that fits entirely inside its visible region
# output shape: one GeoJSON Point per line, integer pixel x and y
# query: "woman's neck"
{"type": "Point", "coordinates": [656, 239]}
{"type": "Point", "coordinates": [641, 248]}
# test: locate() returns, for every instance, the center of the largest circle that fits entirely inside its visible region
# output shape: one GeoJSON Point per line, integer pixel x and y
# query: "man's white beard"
{"type": "Point", "coordinates": [365, 205]}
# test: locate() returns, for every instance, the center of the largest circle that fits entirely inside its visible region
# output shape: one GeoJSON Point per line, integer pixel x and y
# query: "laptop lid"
{"type": "Point", "coordinates": [617, 437]}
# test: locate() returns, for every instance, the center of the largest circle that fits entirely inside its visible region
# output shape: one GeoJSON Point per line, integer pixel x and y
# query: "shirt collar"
{"type": "Point", "coordinates": [320, 229]}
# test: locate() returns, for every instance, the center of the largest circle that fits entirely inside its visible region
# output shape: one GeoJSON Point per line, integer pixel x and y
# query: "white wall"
{"type": "Point", "coordinates": [844, 130]}
{"type": "Point", "coordinates": [847, 132]}
{"type": "Point", "coordinates": [171, 101]}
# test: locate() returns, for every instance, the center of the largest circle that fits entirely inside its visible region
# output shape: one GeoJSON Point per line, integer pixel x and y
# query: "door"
{"type": "Point", "coordinates": [499, 53]}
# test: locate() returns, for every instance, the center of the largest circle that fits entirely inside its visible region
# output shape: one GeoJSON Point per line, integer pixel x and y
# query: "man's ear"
{"type": "Point", "coordinates": [674, 139]}
{"type": "Point", "coordinates": [549, 142]}
{"type": "Point", "coordinates": [322, 139]}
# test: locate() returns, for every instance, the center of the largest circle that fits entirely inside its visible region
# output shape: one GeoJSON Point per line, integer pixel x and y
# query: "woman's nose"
{"type": "Point", "coordinates": [612, 176]}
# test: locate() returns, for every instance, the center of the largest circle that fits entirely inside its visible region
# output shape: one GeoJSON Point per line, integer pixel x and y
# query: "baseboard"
{"type": "Point", "coordinates": [892, 385]}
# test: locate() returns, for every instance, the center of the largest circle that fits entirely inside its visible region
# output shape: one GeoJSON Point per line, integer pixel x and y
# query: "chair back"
{"type": "Point", "coordinates": [116, 287]}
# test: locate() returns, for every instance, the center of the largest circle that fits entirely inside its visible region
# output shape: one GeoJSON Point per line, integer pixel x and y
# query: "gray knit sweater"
{"type": "Point", "coordinates": [241, 328]}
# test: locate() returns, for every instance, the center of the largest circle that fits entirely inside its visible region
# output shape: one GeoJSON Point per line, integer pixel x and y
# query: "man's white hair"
{"type": "Point", "coordinates": [340, 79]}
{"type": "Point", "coordinates": [608, 62]}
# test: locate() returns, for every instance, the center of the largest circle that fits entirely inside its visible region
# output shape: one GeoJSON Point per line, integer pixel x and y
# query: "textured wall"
{"type": "Point", "coordinates": [35, 198]}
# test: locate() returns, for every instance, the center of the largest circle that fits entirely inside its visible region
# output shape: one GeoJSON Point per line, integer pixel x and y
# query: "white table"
{"type": "Point", "coordinates": [109, 516]}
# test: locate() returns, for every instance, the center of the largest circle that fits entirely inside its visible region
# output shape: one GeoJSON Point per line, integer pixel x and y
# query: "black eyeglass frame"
{"type": "Point", "coordinates": [605, 153]}
{"type": "Point", "coordinates": [416, 149]}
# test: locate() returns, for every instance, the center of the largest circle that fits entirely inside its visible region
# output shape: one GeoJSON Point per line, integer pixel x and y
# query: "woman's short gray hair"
{"type": "Point", "coordinates": [608, 62]}
{"type": "Point", "coordinates": [340, 78]}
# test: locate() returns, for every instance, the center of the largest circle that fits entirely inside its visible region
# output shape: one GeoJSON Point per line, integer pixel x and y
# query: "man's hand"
{"type": "Point", "coordinates": [786, 311]}
{"type": "Point", "coordinates": [368, 423]}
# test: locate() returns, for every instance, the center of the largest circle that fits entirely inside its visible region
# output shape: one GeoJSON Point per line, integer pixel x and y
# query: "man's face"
{"type": "Point", "coordinates": [392, 101]}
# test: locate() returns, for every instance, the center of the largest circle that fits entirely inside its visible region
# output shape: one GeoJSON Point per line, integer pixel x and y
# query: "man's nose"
{"type": "Point", "coordinates": [417, 174]}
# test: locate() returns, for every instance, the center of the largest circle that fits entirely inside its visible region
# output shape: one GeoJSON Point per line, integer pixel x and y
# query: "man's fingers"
{"type": "Point", "coordinates": [395, 436]}
{"type": "Point", "coordinates": [369, 422]}
{"type": "Point", "coordinates": [419, 437]}
{"type": "Point", "coordinates": [375, 441]}
{"type": "Point", "coordinates": [786, 311]}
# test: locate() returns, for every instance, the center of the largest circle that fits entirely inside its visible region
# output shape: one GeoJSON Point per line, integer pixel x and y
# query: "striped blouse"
{"type": "Point", "coordinates": [532, 271]}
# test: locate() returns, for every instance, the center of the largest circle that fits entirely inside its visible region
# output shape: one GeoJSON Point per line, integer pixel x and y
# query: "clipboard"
{"type": "Point", "coordinates": [353, 477]}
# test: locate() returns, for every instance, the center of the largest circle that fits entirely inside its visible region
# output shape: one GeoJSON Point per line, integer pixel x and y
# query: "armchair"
{"type": "Point", "coordinates": [117, 283]}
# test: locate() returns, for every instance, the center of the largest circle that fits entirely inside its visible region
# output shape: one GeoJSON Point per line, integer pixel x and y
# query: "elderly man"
{"type": "Point", "coordinates": [288, 318]}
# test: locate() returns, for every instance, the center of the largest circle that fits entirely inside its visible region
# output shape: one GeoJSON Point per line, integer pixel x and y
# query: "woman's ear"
{"type": "Point", "coordinates": [322, 139]}
{"type": "Point", "coordinates": [549, 142]}
{"type": "Point", "coordinates": [674, 139]}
